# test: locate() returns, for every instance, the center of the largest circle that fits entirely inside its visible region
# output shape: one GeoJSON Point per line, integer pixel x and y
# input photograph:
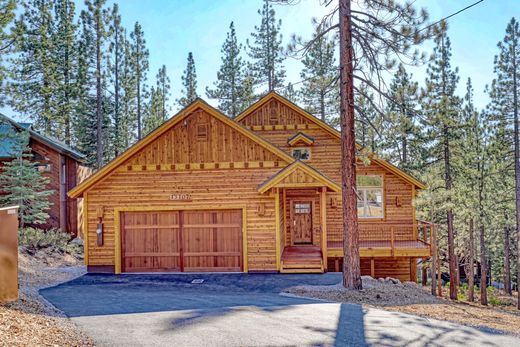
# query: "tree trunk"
{"type": "Point", "coordinates": [138, 77]}
{"type": "Point", "coordinates": [449, 218]}
{"type": "Point", "coordinates": [351, 266]}
{"type": "Point", "coordinates": [483, 267]}
{"type": "Point", "coordinates": [434, 256]}
{"type": "Point", "coordinates": [470, 273]}
{"type": "Point", "coordinates": [517, 158]}
{"type": "Point", "coordinates": [507, 261]}
{"type": "Point", "coordinates": [322, 105]}
{"type": "Point", "coordinates": [99, 112]}
{"type": "Point", "coordinates": [116, 91]}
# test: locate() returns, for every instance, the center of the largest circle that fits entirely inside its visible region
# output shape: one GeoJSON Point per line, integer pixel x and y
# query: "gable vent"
{"type": "Point", "coordinates": [202, 132]}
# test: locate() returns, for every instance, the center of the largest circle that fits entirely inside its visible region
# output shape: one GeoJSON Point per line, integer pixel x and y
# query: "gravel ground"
{"type": "Point", "coordinates": [32, 321]}
{"type": "Point", "coordinates": [411, 298]}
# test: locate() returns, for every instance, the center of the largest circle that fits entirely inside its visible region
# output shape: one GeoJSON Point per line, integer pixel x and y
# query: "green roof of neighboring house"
{"type": "Point", "coordinates": [8, 126]}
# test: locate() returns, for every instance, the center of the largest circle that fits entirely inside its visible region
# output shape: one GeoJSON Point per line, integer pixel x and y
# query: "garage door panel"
{"type": "Point", "coordinates": [182, 241]}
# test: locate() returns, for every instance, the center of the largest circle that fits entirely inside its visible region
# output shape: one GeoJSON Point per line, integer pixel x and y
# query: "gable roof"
{"type": "Point", "coordinates": [383, 163]}
{"type": "Point", "coordinates": [188, 110]}
{"type": "Point", "coordinates": [300, 137]}
{"type": "Point", "coordinates": [306, 171]}
{"type": "Point", "coordinates": [8, 126]}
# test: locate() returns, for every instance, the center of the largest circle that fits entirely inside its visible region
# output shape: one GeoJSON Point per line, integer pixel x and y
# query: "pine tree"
{"type": "Point", "coordinates": [34, 69]}
{"type": "Point", "coordinates": [163, 88]}
{"type": "Point", "coordinates": [506, 105]}
{"type": "Point", "coordinates": [402, 138]}
{"type": "Point", "coordinates": [189, 83]}
{"type": "Point", "coordinates": [153, 111]}
{"type": "Point", "coordinates": [65, 55]}
{"type": "Point", "coordinates": [24, 185]}
{"type": "Point", "coordinates": [442, 114]}
{"type": "Point", "coordinates": [85, 110]}
{"type": "Point", "coordinates": [99, 19]}
{"type": "Point", "coordinates": [290, 93]}
{"type": "Point", "coordinates": [229, 89]}
{"type": "Point", "coordinates": [140, 65]}
{"type": "Point", "coordinates": [7, 15]}
{"type": "Point", "coordinates": [320, 77]}
{"type": "Point", "coordinates": [117, 51]}
{"type": "Point", "coordinates": [367, 121]}
{"type": "Point", "coordinates": [266, 51]}
{"type": "Point", "coordinates": [128, 119]}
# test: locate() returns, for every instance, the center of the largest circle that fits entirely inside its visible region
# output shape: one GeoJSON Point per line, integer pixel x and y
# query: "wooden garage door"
{"type": "Point", "coordinates": [181, 241]}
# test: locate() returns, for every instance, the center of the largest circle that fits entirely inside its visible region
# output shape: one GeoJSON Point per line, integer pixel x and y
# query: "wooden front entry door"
{"type": "Point", "coordinates": [302, 222]}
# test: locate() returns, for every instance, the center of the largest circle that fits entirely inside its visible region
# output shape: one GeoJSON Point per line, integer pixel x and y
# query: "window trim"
{"type": "Point", "coordinates": [302, 148]}
{"type": "Point", "coordinates": [362, 192]}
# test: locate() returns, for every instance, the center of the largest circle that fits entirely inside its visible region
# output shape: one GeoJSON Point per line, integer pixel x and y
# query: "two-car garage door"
{"type": "Point", "coordinates": [181, 241]}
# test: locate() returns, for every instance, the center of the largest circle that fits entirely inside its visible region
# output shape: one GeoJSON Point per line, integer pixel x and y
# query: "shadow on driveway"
{"type": "Point", "coordinates": [238, 310]}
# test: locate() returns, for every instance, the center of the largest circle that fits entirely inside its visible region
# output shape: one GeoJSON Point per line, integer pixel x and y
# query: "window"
{"type": "Point", "coordinates": [302, 208]}
{"type": "Point", "coordinates": [301, 153]}
{"type": "Point", "coordinates": [370, 199]}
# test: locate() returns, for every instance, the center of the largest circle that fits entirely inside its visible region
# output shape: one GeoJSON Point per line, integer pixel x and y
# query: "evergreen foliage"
{"type": "Point", "coordinates": [140, 56]}
{"type": "Point", "coordinates": [24, 185]}
{"type": "Point", "coordinates": [189, 83]}
{"type": "Point", "coordinates": [265, 50]}
{"type": "Point", "coordinates": [231, 88]}
{"type": "Point", "coordinates": [320, 77]}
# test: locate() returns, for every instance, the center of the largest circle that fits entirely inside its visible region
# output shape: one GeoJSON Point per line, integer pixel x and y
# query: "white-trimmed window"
{"type": "Point", "coordinates": [370, 196]}
{"type": "Point", "coordinates": [302, 153]}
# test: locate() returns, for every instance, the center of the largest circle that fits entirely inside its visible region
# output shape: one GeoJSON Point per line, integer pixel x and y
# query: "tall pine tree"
{"type": "Point", "coordinates": [265, 50]}
{"type": "Point", "coordinates": [140, 65]}
{"type": "Point", "coordinates": [189, 83]}
{"type": "Point", "coordinates": [7, 15]}
{"type": "Point", "coordinates": [230, 87]}
{"type": "Point", "coordinates": [442, 115]}
{"type": "Point", "coordinates": [320, 77]}
{"type": "Point", "coordinates": [505, 96]}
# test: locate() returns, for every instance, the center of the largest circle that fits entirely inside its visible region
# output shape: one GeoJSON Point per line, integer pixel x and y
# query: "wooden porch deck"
{"type": "Point", "coordinates": [302, 259]}
{"type": "Point", "coordinates": [384, 248]}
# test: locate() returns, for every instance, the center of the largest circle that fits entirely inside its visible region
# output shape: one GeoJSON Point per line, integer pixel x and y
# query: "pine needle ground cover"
{"type": "Point", "coordinates": [31, 321]}
{"type": "Point", "coordinates": [411, 298]}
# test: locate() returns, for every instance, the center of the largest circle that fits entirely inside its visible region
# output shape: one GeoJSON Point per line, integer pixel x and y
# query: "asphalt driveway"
{"type": "Point", "coordinates": [241, 310]}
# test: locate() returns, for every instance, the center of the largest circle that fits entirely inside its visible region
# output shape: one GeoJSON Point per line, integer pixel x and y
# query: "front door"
{"type": "Point", "coordinates": [302, 222]}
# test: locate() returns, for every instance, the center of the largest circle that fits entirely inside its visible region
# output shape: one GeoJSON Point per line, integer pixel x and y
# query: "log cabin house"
{"type": "Point", "coordinates": [259, 193]}
{"type": "Point", "coordinates": [56, 161]}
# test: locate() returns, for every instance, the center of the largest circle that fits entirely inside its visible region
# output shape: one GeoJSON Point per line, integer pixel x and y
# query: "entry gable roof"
{"type": "Point", "coordinates": [335, 133]}
{"type": "Point", "coordinates": [195, 105]}
{"type": "Point", "coordinates": [298, 174]}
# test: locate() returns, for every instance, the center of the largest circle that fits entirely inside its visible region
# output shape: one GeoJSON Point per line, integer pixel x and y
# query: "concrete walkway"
{"type": "Point", "coordinates": [241, 310]}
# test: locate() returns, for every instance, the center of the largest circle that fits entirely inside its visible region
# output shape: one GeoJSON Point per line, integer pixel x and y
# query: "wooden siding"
{"type": "Point", "coordinates": [225, 187]}
{"type": "Point", "coordinates": [272, 121]}
{"type": "Point", "coordinates": [187, 143]}
{"type": "Point", "coordinates": [209, 189]}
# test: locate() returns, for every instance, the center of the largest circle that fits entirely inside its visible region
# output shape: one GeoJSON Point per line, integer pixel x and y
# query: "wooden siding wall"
{"type": "Point", "coordinates": [54, 181]}
{"type": "Point", "coordinates": [183, 144]}
{"type": "Point", "coordinates": [400, 268]}
{"type": "Point", "coordinates": [213, 188]}
{"type": "Point", "coordinates": [208, 188]}
{"type": "Point", "coordinates": [276, 123]}
{"type": "Point", "coordinates": [83, 172]}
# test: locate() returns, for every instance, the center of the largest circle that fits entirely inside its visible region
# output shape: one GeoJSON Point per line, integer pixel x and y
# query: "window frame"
{"type": "Point", "coordinates": [363, 193]}
{"type": "Point", "coordinates": [308, 149]}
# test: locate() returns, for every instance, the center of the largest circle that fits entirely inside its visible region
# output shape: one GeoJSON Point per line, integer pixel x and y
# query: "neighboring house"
{"type": "Point", "coordinates": [56, 161]}
{"type": "Point", "coordinates": [258, 193]}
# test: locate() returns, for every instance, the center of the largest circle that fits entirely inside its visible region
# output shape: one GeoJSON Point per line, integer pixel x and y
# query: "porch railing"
{"type": "Point", "coordinates": [388, 232]}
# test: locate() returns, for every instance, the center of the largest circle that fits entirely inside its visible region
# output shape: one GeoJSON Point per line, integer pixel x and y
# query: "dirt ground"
{"type": "Point", "coordinates": [31, 321]}
{"type": "Point", "coordinates": [411, 298]}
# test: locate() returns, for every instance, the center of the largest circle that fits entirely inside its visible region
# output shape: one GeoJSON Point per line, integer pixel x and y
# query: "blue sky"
{"type": "Point", "coordinates": [175, 27]}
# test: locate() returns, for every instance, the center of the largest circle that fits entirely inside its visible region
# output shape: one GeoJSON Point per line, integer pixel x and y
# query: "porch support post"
{"type": "Point", "coordinates": [284, 207]}
{"type": "Point", "coordinates": [277, 226]}
{"type": "Point", "coordinates": [323, 217]}
{"type": "Point", "coordinates": [372, 268]}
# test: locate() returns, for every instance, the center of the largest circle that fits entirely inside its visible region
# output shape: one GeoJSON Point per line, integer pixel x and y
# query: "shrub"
{"type": "Point", "coordinates": [493, 299]}
{"type": "Point", "coordinates": [53, 239]}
